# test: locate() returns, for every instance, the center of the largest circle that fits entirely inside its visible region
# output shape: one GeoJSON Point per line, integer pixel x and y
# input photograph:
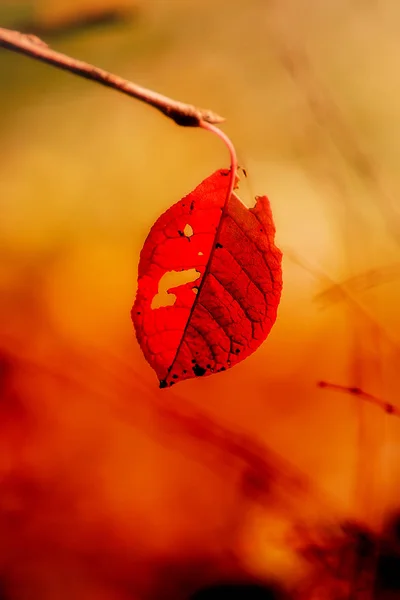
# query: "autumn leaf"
{"type": "Point", "coordinates": [230, 283]}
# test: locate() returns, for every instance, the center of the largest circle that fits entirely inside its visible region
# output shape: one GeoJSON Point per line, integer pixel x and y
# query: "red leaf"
{"type": "Point", "coordinates": [238, 283]}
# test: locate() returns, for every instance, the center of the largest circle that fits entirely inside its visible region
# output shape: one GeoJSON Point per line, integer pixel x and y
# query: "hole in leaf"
{"type": "Point", "coordinates": [188, 230]}
{"type": "Point", "coordinates": [195, 290]}
{"type": "Point", "coordinates": [200, 254]}
{"type": "Point", "coordinates": [172, 279]}
{"type": "Point", "coordinates": [198, 370]}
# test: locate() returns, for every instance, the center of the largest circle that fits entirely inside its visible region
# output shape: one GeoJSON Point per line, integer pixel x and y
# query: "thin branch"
{"type": "Point", "coordinates": [32, 46]}
{"type": "Point", "coordinates": [390, 409]}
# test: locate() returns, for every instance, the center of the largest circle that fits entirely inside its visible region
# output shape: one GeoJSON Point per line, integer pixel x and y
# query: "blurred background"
{"type": "Point", "coordinates": [111, 489]}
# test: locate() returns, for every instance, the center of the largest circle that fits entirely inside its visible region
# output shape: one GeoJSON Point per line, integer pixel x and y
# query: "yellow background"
{"type": "Point", "coordinates": [105, 489]}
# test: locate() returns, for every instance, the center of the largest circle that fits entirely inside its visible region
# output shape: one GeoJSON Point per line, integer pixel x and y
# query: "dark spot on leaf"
{"type": "Point", "coordinates": [193, 360]}
{"type": "Point", "coordinates": [208, 366]}
{"type": "Point", "coordinates": [138, 312]}
{"type": "Point", "coordinates": [184, 371]}
{"type": "Point", "coordinates": [175, 376]}
{"type": "Point", "coordinates": [198, 371]}
{"type": "Point", "coordinates": [192, 205]}
{"type": "Point", "coordinates": [163, 384]}
{"type": "Point", "coordinates": [222, 369]}
{"type": "Point", "coordinates": [218, 245]}
{"type": "Point", "coordinates": [237, 351]}
{"type": "Point", "coordinates": [181, 233]}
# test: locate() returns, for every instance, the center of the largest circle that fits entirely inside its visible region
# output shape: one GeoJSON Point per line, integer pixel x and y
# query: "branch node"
{"type": "Point", "coordinates": [34, 39]}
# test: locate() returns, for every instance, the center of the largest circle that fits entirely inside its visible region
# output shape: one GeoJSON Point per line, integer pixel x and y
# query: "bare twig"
{"type": "Point", "coordinates": [32, 46]}
{"type": "Point", "coordinates": [390, 409]}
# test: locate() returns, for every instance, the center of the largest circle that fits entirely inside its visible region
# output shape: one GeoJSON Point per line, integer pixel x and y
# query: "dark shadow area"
{"type": "Point", "coordinates": [392, 529]}
{"type": "Point", "coordinates": [388, 573]}
{"type": "Point", "coordinates": [4, 595]}
{"type": "Point", "coordinates": [6, 368]}
{"type": "Point", "coordinates": [239, 591]}
{"type": "Point", "coordinates": [388, 563]}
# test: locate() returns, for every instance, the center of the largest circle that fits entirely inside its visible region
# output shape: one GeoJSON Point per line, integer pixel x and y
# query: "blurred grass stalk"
{"type": "Point", "coordinates": [49, 16]}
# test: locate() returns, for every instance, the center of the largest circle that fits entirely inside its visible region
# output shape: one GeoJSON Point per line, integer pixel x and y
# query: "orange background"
{"type": "Point", "coordinates": [110, 487]}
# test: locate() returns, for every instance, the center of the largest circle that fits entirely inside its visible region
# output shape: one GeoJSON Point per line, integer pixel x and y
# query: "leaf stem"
{"type": "Point", "coordinates": [183, 114]}
{"type": "Point", "coordinates": [232, 153]}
